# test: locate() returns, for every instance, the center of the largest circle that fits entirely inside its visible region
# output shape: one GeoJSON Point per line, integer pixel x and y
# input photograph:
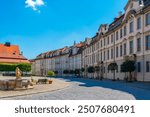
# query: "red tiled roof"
{"type": "Point", "coordinates": [79, 45]}
{"type": "Point", "coordinates": [13, 61]}
{"type": "Point", "coordinates": [11, 54]}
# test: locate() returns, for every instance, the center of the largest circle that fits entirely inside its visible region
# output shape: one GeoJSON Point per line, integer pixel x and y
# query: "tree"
{"type": "Point", "coordinates": [77, 72]}
{"type": "Point", "coordinates": [128, 66]}
{"type": "Point", "coordinates": [91, 69]}
{"type": "Point", "coordinates": [51, 73]}
{"type": "Point", "coordinates": [113, 67]}
{"type": "Point", "coordinates": [71, 72]}
{"type": "Point", "coordinates": [8, 67]}
{"type": "Point", "coordinates": [65, 72]}
{"type": "Point", "coordinates": [82, 69]}
{"type": "Point", "coordinates": [24, 67]}
{"type": "Point", "coordinates": [56, 72]}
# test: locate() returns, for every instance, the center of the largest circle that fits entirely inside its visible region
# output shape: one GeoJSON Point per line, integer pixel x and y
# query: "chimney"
{"type": "Point", "coordinates": [7, 44]}
{"type": "Point", "coordinates": [21, 52]}
{"type": "Point", "coordinates": [119, 14]}
{"type": "Point", "coordinates": [74, 42]}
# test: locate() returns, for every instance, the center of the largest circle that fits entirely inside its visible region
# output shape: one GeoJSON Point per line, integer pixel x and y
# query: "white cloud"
{"type": "Point", "coordinates": [34, 4]}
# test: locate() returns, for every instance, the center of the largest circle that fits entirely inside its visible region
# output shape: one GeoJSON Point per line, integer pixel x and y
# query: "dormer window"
{"type": "Point", "coordinates": [131, 6]}
{"type": "Point", "coordinates": [141, 3]}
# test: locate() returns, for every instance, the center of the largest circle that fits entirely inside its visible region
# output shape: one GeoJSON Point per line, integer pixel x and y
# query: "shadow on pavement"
{"type": "Point", "coordinates": [140, 90]}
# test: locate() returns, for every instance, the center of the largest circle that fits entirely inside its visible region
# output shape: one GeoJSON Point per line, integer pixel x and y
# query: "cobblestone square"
{"type": "Point", "coordinates": [88, 89]}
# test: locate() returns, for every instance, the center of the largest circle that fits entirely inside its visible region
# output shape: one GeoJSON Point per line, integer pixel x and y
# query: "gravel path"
{"type": "Point", "coordinates": [85, 89]}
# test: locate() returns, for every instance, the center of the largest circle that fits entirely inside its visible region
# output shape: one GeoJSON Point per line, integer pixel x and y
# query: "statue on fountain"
{"type": "Point", "coordinates": [18, 73]}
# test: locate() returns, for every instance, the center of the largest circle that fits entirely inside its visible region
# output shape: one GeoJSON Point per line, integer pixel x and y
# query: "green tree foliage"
{"type": "Point", "coordinates": [91, 69]}
{"type": "Point", "coordinates": [128, 66]}
{"type": "Point", "coordinates": [56, 72]}
{"type": "Point", "coordinates": [77, 71]}
{"type": "Point", "coordinates": [112, 66]}
{"type": "Point", "coordinates": [25, 67]}
{"type": "Point", "coordinates": [71, 72]}
{"type": "Point", "coordinates": [82, 69]}
{"type": "Point", "coordinates": [51, 73]}
{"type": "Point", "coordinates": [65, 72]}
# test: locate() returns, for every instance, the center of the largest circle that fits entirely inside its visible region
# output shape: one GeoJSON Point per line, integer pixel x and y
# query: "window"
{"type": "Point", "coordinates": [101, 57]}
{"type": "Point", "coordinates": [120, 33]}
{"type": "Point", "coordinates": [139, 23]}
{"type": "Point", "coordinates": [97, 56]}
{"type": "Point", "coordinates": [131, 27]}
{"type": "Point", "coordinates": [112, 38]}
{"type": "Point", "coordinates": [125, 49]}
{"type": "Point", "coordinates": [104, 55]}
{"type": "Point", "coordinates": [112, 53]}
{"type": "Point", "coordinates": [131, 47]}
{"type": "Point", "coordinates": [104, 42]}
{"type": "Point", "coordinates": [104, 69]}
{"type": "Point", "coordinates": [148, 42]}
{"type": "Point", "coordinates": [125, 30]}
{"type": "Point", "coordinates": [120, 50]}
{"type": "Point", "coordinates": [98, 45]}
{"type": "Point", "coordinates": [147, 66]}
{"type": "Point", "coordinates": [101, 43]}
{"type": "Point", "coordinates": [117, 35]}
{"type": "Point", "coordinates": [108, 40]}
{"type": "Point", "coordinates": [107, 70]}
{"type": "Point", "coordinates": [107, 54]}
{"type": "Point", "coordinates": [116, 51]}
{"type": "Point", "coordinates": [139, 66]}
{"type": "Point", "coordinates": [93, 58]}
{"type": "Point", "coordinates": [138, 44]}
{"type": "Point", "coordinates": [148, 19]}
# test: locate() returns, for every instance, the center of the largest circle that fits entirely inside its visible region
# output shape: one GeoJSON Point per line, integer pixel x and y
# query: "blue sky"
{"type": "Point", "coordinates": [42, 25]}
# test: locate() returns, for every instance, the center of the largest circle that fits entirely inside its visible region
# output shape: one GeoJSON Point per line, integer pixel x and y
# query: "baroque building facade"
{"type": "Point", "coordinates": [128, 36]}
{"type": "Point", "coordinates": [67, 58]}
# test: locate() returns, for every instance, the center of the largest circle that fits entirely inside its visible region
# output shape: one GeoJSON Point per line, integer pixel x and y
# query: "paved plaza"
{"type": "Point", "coordinates": [88, 89]}
{"type": "Point", "coordinates": [40, 88]}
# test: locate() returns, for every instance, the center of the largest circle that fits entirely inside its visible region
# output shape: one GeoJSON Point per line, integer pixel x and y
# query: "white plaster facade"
{"type": "Point", "coordinates": [128, 35]}
{"type": "Point", "coordinates": [122, 36]}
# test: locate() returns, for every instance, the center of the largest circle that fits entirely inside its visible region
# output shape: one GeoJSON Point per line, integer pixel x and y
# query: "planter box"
{"type": "Point", "coordinates": [50, 82]}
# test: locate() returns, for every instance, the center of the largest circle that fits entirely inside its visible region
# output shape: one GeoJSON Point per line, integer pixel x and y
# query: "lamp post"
{"type": "Point", "coordinates": [143, 57]}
